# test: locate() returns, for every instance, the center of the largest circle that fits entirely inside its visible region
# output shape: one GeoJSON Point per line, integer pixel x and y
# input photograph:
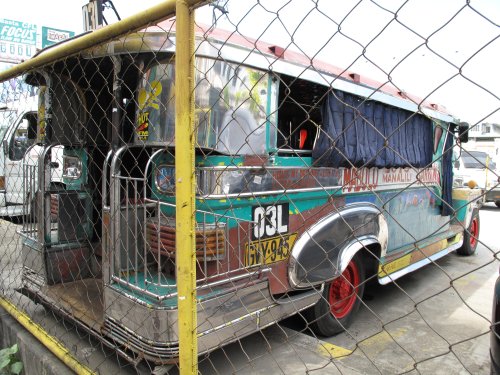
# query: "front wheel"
{"type": "Point", "coordinates": [471, 236]}
{"type": "Point", "coordinates": [340, 301]}
{"type": "Point", "coordinates": [497, 203]}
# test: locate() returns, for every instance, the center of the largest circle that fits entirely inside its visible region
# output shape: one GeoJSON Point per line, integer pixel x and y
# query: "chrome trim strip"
{"type": "Point", "coordinates": [268, 192]}
{"type": "Point", "coordinates": [215, 183]}
{"type": "Point", "coordinates": [421, 263]}
{"type": "Point", "coordinates": [231, 168]}
{"type": "Point", "coordinates": [105, 168]}
{"type": "Point", "coordinates": [352, 248]}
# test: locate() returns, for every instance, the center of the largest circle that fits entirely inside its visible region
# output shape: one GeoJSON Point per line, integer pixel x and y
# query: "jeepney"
{"type": "Point", "coordinates": [310, 180]}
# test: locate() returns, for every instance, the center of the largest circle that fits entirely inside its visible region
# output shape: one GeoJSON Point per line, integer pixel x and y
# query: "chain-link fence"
{"type": "Point", "coordinates": [319, 166]}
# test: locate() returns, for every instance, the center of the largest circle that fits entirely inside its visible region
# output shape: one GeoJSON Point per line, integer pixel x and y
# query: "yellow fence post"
{"type": "Point", "coordinates": [185, 188]}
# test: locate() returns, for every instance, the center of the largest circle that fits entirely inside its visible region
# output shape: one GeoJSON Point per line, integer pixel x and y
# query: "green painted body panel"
{"type": "Point", "coordinates": [460, 207]}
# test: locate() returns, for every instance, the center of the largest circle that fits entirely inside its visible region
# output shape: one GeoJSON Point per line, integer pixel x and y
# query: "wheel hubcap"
{"type": "Point", "coordinates": [343, 291]}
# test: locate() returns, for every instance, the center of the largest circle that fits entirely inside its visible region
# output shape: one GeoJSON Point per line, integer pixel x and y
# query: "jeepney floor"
{"type": "Point", "coordinates": [83, 299]}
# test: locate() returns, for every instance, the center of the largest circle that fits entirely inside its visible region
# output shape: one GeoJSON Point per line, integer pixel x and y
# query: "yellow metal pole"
{"type": "Point", "coordinates": [185, 188]}
{"type": "Point", "coordinates": [46, 339]}
{"type": "Point", "coordinates": [138, 21]}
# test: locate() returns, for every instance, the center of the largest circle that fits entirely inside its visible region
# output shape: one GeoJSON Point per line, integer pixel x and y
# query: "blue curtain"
{"type": "Point", "coordinates": [447, 173]}
{"type": "Point", "coordinates": [364, 133]}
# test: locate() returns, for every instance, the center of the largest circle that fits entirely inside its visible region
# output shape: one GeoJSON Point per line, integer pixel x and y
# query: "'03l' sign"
{"type": "Point", "coordinates": [271, 241]}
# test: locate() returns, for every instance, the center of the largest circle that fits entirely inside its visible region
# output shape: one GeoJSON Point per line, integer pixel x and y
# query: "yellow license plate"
{"type": "Point", "coordinates": [269, 250]}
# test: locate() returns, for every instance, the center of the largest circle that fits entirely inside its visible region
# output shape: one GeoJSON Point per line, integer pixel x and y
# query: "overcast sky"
{"type": "Point", "coordinates": [444, 50]}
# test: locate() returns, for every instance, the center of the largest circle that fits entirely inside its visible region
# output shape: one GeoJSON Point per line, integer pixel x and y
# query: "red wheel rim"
{"type": "Point", "coordinates": [343, 291]}
{"type": "Point", "coordinates": [474, 232]}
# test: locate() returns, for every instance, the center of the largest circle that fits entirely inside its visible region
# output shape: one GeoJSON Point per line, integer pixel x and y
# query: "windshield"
{"type": "Point", "coordinates": [156, 107]}
{"type": "Point", "coordinates": [7, 116]}
{"type": "Point", "coordinates": [230, 106]}
{"type": "Point", "coordinates": [475, 159]}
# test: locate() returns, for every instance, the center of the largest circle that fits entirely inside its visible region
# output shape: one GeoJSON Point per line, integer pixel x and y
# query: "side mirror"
{"type": "Point", "coordinates": [463, 132]}
{"type": "Point", "coordinates": [457, 164]}
{"type": "Point", "coordinates": [5, 145]}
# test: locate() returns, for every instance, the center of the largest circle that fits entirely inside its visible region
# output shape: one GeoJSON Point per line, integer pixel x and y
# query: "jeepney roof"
{"type": "Point", "coordinates": [234, 47]}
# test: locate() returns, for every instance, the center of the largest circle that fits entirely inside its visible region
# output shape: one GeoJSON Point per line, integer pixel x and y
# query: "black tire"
{"type": "Point", "coordinates": [327, 319]}
{"type": "Point", "coordinates": [471, 236]}
{"type": "Point", "coordinates": [497, 203]}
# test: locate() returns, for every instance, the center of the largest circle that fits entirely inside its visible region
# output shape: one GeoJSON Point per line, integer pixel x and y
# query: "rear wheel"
{"type": "Point", "coordinates": [471, 236]}
{"type": "Point", "coordinates": [340, 301]}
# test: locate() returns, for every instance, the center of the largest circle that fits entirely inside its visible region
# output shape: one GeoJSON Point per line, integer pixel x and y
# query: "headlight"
{"type": "Point", "coordinates": [165, 179]}
{"type": "Point", "coordinates": [72, 167]}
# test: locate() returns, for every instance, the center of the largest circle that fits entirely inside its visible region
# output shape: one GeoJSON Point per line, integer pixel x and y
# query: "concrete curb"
{"type": "Point", "coordinates": [36, 358]}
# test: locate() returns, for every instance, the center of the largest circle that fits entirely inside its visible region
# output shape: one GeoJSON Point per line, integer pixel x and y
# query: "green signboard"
{"type": "Point", "coordinates": [20, 41]}
{"type": "Point", "coordinates": [17, 32]}
{"type": "Point", "coordinates": [51, 36]}
{"type": "Point", "coordinates": [17, 40]}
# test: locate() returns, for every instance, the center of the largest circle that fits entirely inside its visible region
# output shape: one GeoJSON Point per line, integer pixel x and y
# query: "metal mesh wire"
{"type": "Point", "coordinates": [325, 166]}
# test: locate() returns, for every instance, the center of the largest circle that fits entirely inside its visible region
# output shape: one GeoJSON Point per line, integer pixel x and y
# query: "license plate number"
{"type": "Point", "coordinates": [269, 250]}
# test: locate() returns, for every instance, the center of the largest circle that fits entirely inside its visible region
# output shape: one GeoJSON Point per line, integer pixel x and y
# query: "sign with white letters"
{"type": "Point", "coordinates": [270, 221]}
{"type": "Point", "coordinates": [17, 40]}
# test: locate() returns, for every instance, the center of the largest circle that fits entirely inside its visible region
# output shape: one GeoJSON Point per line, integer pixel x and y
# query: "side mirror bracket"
{"type": "Point", "coordinates": [463, 132]}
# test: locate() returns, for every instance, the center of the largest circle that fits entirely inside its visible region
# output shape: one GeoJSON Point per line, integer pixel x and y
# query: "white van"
{"type": "Point", "coordinates": [18, 134]}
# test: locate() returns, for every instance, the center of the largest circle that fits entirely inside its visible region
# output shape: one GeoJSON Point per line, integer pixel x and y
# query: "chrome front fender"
{"type": "Point", "coordinates": [324, 250]}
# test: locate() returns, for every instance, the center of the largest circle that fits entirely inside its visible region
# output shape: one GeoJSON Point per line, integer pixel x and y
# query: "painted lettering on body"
{"type": "Point", "coordinates": [363, 179]}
